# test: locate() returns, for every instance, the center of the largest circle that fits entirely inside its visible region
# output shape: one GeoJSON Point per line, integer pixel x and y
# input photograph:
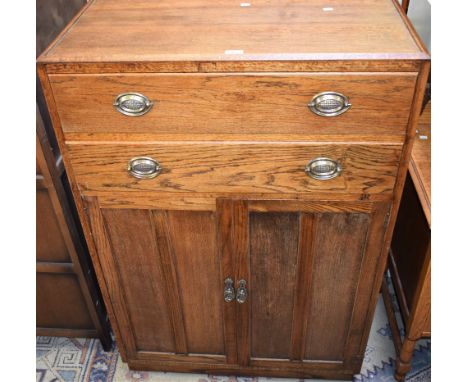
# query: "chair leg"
{"type": "Point", "coordinates": [403, 363]}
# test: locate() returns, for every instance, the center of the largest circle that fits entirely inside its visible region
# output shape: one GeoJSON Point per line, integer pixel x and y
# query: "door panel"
{"type": "Point", "coordinates": [193, 239]}
{"type": "Point", "coordinates": [137, 258]}
{"type": "Point", "coordinates": [338, 249]}
{"type": "Point", "coordinates": [273, 264]}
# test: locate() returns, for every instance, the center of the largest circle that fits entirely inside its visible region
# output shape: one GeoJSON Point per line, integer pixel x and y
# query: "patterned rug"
{"type": "Point", "coordinates": [61, 359]}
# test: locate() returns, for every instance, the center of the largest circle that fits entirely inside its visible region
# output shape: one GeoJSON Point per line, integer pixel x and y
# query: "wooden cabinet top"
{"type": "Point", "coordinates": [242, 30]}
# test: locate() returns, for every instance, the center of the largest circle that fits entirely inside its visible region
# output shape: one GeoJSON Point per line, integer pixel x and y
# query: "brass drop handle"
{"type": "Point", "coordinates": [329, 104]}
{"type": "Point", "coordinates": [132, 104]}
{"type": "Point", "coordinates": [241, 295]}
{"type": "Point", "coordinates": [144, 168]}
{"type": "Point", "coordinates": [323, 168]}
{"type": "Point", "coordinates": [229, 291]}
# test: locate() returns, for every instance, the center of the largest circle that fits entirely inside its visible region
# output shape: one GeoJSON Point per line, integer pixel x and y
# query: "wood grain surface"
{"type": "Point", "coordinates": [235, 201]}
{"type": "Point", "coordinates": [168, 30]}
{"type": "Point", "coordinates": [198, 276]}
{"type": "Point", "coordinates": [140, 279]}
{"type": "Point", "coordinates": [420, 164]}
{"type": "Point", "coordinates": [338, 65]}
{"type": "Point", "coordinates": [339, 245]}
{"type": "Point", "coordinates": [230, 104]}
{"type": "Point", "coordinates": [273, 260]}
{"type": "Point", "coordinates": [233, 167]}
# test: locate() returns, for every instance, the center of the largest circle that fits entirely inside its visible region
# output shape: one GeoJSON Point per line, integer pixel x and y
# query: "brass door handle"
{"type": "Point", "coordinates": [241, 295]}
{"type": "Point", "coordinates": [229, 291]}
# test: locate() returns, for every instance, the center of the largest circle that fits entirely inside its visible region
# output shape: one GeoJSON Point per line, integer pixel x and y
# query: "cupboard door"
{"type": "Point", "coordinates": [306, 267]}
{"type": "Point", "coordinates": [165, 280]}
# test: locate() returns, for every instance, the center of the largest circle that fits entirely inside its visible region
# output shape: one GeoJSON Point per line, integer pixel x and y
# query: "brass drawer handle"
{"type": "Point", "coordinates": [241, 295]}
{"type": "Point", "coordinates": [323, 168]}
{"type": "Point", "coordinates": [144, 168]}
{"type": "Point", "coordinates": [229, 292]}
{"type": "Point", "coordinates": [132, 104]}
{"type": "Point", "coordinates": [329, 104]}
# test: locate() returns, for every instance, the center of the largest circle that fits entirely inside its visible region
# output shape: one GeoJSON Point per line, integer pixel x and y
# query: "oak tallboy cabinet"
{"type": "Point", "coordinates": [237, 169]}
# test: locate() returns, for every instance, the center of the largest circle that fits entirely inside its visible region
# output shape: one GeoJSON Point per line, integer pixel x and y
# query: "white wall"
{"type": "Point", "coordinates": [419, 12]}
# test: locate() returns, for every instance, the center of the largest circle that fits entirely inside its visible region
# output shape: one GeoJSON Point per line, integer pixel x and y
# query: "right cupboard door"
{"type": "Point", "coordinates": [309, 270]}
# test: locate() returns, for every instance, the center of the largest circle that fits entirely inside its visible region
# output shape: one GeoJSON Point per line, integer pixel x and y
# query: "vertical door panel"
{"type": "Point", "coordinates": [135, 253]}
{"type": "Point", "coordinates": [273, 262]}
{"type": "Point", "coordinates": [193, 240]}
{"type": "Point", "coordinates": [338, 251]}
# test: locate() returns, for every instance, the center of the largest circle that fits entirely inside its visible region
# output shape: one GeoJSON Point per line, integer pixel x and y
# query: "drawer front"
{"type": "Point", "coordinates": [228, 167]}
{"type": "Point", "coordinates": [235, 103]}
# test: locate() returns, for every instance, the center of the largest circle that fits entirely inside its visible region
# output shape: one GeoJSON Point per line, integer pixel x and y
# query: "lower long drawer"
{"type": "Point", "coordinates": [236, 167]}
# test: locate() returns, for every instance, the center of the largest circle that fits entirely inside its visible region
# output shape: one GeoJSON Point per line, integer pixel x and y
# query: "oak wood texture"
{"type": "Point", "coordinates": [411, 130]}
{"type": "Point", "coordinates": [233, 134]}
{"type": "Point", "coordinates": [50, 246]}
{"type": "Point", "coordinates": [273, 257]}
{"type": "Point", "coordinates": [106, 138]}
{"type": "Point", "coordinates": [207, 202]}
{"type": "Point", "coordinates": [318, 65]}
{"type": "Point", "coordinates": [60, 304]}
{"type": "Point", "coordinates": [235, 103]}
{"type": "Point", "coordinates": [410, 244]}
{"type": "Point", "coordinates": [259, 246]}
{"type": "Point", "coordinates": [234, 167]}
{"type": "Point", "coordinates": [225, 31]}
{"type": "Point", "coordinates": [410, 268]}
{"type": "Point", "coordinates": [420, 164]}
{"type": "Point", "coordinates": [410, 258]}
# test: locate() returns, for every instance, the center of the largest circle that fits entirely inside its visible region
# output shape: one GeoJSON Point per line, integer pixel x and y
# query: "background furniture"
{"type": "Point", "coordinates": [239, 219]}
{"type": "Point", "coordinates": [68, 300]}
{"type": "Point", "coordinates": [410, 256]}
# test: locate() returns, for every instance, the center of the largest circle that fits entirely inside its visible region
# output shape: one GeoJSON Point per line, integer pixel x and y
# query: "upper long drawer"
{"type": "Point", "coordinates": [235, 103]}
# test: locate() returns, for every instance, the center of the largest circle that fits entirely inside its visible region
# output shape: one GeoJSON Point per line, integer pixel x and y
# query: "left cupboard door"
{"type": "Point", "coordinates": [165, 279]}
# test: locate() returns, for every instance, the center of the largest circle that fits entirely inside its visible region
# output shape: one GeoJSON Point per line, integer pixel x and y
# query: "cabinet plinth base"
{"type": "Point", "coordinates": [318, 373]}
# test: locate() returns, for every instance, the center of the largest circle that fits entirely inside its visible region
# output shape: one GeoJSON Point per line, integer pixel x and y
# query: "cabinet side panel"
{"type": "Point", "coordinates": [60, 302]}
{"type": "Point", "coordinates": [50, 245]}
{"type": "Point", "coordinates": [135, 252]}
{"type": "Point", "coordinates": [411, 240]}
{"type": "Point", "coordinates": [339, 246]}
{"type": "Point", "coordinates": [193, 239]}
{"type": "Point", "coordinates": [273, 263]}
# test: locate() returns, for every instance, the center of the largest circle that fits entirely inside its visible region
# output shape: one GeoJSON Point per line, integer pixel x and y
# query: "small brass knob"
{"type": "Point", "coordinates": [323, 168]}
{"type": "Point", "coordinates": [329, 104]}
{"type": "Point", "coordinates": [144, 168]}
